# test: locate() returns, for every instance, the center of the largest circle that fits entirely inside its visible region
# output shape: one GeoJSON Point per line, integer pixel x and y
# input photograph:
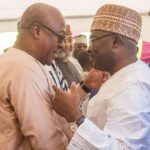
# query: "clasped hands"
{"type": "Point", "coordinates": [67, 103]}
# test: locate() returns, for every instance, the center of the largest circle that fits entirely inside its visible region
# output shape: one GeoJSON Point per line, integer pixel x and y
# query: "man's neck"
{"type": "Point", "coordinates": [28, 48]}
{"type": "Point", "coordinates": [122, 64]}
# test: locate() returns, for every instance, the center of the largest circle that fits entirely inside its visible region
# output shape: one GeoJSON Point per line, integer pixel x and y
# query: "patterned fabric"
{"type": "Point", "coordinates": [57, 76]}
{"type": "Point", "coordinates": [69, 71]}
{"type": "Point", "coordinates": [118, 19]}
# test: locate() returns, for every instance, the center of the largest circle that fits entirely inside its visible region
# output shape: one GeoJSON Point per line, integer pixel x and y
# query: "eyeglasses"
{"type": "Point", "coordinates": [60, 37]}
{"type": "Point", "coordinates": [98, 38]}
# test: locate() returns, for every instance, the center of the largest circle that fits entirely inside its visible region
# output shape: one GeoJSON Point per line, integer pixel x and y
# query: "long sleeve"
{"type": "Point", "coordinates": [89, 137]}
{"type": "Point", "coordinates": [127, 124]}
{"type": "Point", "coordinates": [31, 100]}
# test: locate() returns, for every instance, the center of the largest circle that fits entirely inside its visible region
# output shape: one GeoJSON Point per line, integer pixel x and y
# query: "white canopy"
{"type": "Point", "coordinates": [10, 9]}
{"type": "Point", "coordinates": [78, 13]}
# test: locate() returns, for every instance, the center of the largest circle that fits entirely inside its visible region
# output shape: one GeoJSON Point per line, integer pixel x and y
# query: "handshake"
{"type": "Point", "coordinates": [67, 103]}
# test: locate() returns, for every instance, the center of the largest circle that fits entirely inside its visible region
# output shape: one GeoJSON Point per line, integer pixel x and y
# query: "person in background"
{"type": "Point", "coordinates": [26, 115]}
{"type": "Point", "coordinates": [118, 116]}
{"type": "Point", "coordinates": [85, 61]}
{"type": "Point", "coordinates": [68, 69]}
{"type": "Point", "coordinates": [79, 45]}
{"type": "Point", "coordinates": [57, 76]}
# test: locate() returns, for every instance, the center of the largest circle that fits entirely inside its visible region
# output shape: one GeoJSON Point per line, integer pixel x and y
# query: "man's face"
{"type": "Point", "coordinates": [78, 47]}
{"type": "Point", "coordinates": [51, 42]}
{"type": "Point", "coordinates": [66, 49]}
{"type": "Point", "coordinates": [102, 51]}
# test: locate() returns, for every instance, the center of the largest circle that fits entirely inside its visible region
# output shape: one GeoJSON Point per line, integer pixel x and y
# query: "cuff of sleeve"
{"type": "Point", "coordinates": [90, 132]}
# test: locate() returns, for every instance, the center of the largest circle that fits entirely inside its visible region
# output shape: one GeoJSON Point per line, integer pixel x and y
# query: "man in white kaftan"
{"type": "Point", "coordinates": [118, 117]}
{"type": "Point", "coordinates": [122, 113]}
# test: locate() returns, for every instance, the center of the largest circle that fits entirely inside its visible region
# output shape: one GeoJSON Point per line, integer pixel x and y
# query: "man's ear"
{"type": "Point", "coordinates": [35, 30]}
{"type": "Point", "coordinates": [118, 40]}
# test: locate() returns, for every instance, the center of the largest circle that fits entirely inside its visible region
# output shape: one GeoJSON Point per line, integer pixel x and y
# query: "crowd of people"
{"type": "Point", "coordinates": [60, 92]}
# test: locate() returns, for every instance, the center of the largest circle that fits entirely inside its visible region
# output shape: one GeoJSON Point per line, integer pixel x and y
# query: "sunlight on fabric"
{"type": "Point", "coordinates": [7, 39]}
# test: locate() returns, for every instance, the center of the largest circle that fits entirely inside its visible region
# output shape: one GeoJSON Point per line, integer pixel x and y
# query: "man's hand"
{"type": "Point", "coordinates": [67, 103]}
{"type": "Point", "coordinates": [95, 78]}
